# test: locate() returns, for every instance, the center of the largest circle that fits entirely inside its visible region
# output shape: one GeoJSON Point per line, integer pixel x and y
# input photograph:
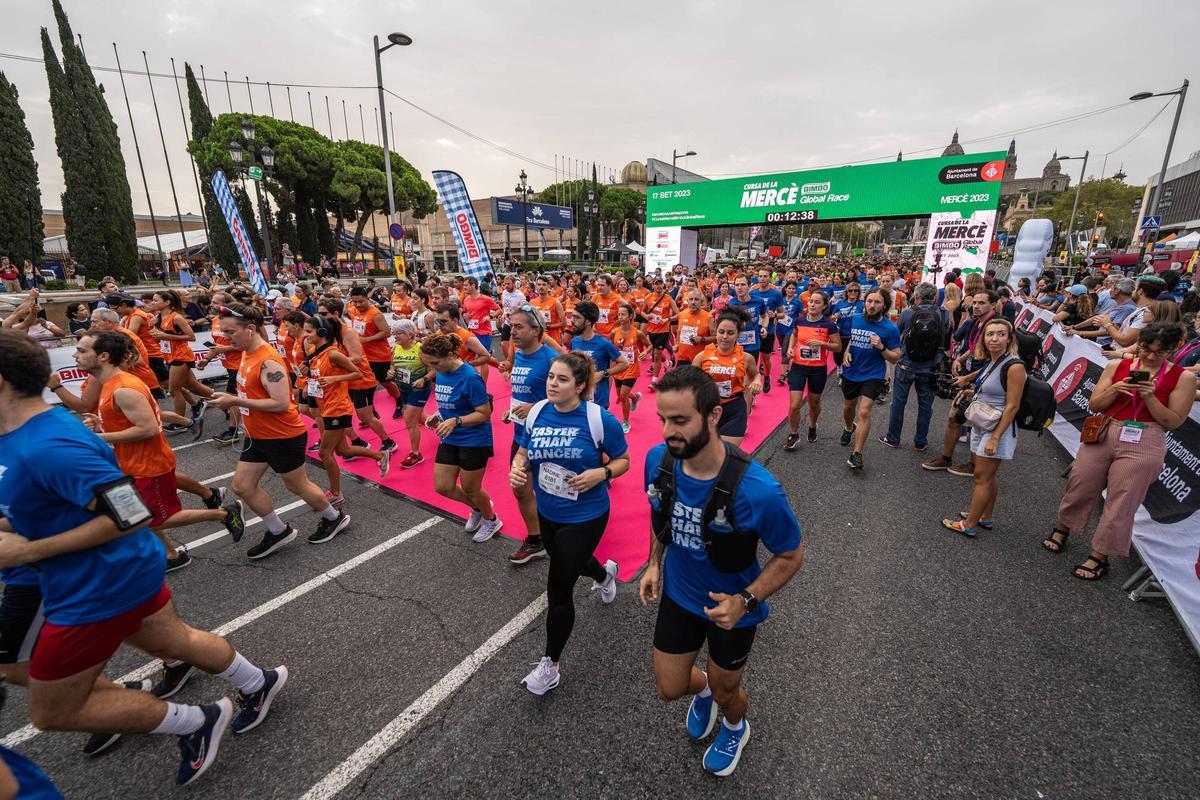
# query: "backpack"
{"type": "Point", "coordinates": [595, 420]}
{"type": "Point", "coordinates": [729, 548]}
{"type": "Point", "coordinates": [923, 339]}
{"type": "Point", "coordinates": [1038, 403]}
{"type": "Point", "coordinates": [1029, 348]}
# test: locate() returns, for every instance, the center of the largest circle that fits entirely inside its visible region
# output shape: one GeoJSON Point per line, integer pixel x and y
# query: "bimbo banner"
{"type": "Point", "coordinates": [957, 240]}
{"type": "Point", "coordinates": [472, 252]}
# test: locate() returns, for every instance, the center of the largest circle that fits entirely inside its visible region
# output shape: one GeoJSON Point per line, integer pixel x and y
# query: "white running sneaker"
{"type": "Point", "coordinates": [487, 529]}
{"type": "Point", "coordinates": [633, 401]}
{"type": "Point", "coordinates": [543, 678]}
{"type": "Point", "coordinates": [624, 427]}
{"type": "Point", "coordinates": [608, 589]}
{"type": "Point", "coordinates": [473, 521]}
{"type": "Point", "coordinates": [385, 462]}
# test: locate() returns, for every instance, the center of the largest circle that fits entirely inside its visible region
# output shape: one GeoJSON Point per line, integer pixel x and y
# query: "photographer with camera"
{"type": "Point", "coordinates": [923, 328]}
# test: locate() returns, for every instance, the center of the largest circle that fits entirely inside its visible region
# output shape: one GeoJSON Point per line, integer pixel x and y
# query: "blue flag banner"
{"type": "Point", "coordinates": [472, 251]}
{"type": "Point", "coordinates": [238, 231]}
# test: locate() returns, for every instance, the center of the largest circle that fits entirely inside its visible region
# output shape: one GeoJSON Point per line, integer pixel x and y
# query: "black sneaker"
{"type": "Point", "coordinates": [812, 435]}
{"type": "Point", "coordinates": [227, 436]}
{"type": "Point", "coordinates": [847, 436]}
{"type": "Point", "coordinates": [216, 499]}
{"type": "Point", "coordinates": [888, 442]}
{"type": "Point", "coordinates": [172, 429]}
{"type": "Point", "coordinates": [357, 442]}
{"type": "Point", "coordinates": [198, 750]}
{"type": "Point", "coordinates": [387, 446]}
{"type": "Point", "coordinates": [792, 440]}
{"type": "Point", "coordinates": [181, 560]}
{"type": "Point", "coordinates": [314, 447]}
{"type": "Point", "coordinates": [767, 386]}
{"type": "Point", "coordinates": [172, 680]}
{"type": "Point", "coordinates": [235, 523]}
{"type": "Point", "coordinates": [399, 412]}
{"type": "Point", "coordinates": [887, 387]}
{"type": "Point", "coordinates": [271, 542]}
{"type": "Point", "coordinates": [329, 528]}
{"type": "Point", "coordinates": [254, 707]}
{"type": "Point", "coordinates": [97, 743]}
{"type": "Point", "coordinates": [530, 549]}
{"type": "Point", "coordinates": [199, 409]}
{"type": "Point", "coordinates": [855, 461]}
{"type": "Point", "coordinates": [781, 380]}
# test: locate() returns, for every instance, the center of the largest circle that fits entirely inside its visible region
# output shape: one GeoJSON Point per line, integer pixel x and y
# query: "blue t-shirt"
{"type": "Point", "coordinates": [866, 362]}
{"type": "Point", "coordinates": [845, 310]}
{"type": "Point", "coordinates": [566, 440]}
{"type": "Point", "coordinates": [603, 353]}
{"type": "Point", "coordinates": [760, 505]}
{"type": "Point", "coordinates": [458, 394]}
{"type": "Point", "coordinates": [772, 299]}
{"type": "Point", "coordinates": [50, 469]}
{"type": "Point", "coordinates": [792, 310]}
{"type": "Point", "coordinates": [32, 783]}
{"type": "Point", "coordinates": [528, 379]}
{"type": "Point", "coordinates": [749, 338]}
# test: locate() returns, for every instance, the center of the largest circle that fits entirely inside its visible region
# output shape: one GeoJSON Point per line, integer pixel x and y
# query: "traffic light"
{"type": "Point", "coordinates": [1096, 239]}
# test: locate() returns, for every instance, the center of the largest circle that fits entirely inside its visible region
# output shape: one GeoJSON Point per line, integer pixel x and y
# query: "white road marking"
{"type": "Point", "coordinates": [221, 534]}
{"type": "Point", "coordinates": [379, 744]}
{"type": "Point", "coordinates": [216, 478]}
{"type": "Point", "coordinates": [22, 735]}
{"type": "Point", "coordinates": [193, 444]}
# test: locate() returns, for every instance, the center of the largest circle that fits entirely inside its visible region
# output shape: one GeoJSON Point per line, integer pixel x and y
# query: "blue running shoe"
{"type": "Point", "coordinates": [701, 716]}
{"type": "Point", "coordinates": [254, 707]}
{"type": "Point", "coordinates": [198, 750]}
{"type": "Point", "coordinates": [722, 756]}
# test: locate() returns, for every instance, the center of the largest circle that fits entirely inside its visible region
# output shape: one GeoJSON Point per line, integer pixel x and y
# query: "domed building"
{"type": "Point", "coordinates": [954, 148]}
{"type": "Point", "coordinates": [634, 173]}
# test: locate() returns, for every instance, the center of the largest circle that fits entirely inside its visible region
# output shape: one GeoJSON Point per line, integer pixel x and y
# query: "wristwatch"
{"type": "Point", "coordinates": [458, 422]}
{"type": "Point", "coordinates": [750, 600]}
{"type": "Point", "coordinates": [608, 476]}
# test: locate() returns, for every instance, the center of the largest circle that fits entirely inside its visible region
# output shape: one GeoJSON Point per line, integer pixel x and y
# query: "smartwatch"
{"type": "Point", "coordinates": [458, 422]}
{"type": "Point", "coordinates": [749, 600]}
{"type": "Point", "coordinates": [608, 476]}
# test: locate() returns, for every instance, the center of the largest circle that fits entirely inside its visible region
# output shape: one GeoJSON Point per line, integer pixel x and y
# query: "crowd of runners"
{"type": "Point", "coordinates": [85, 551]}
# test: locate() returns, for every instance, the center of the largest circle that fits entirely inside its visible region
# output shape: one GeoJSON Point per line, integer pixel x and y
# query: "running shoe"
{"type": "Point", "coordinates": [181, 560]}
{"type": "Point", "coordinates": [812, 435]}
{"type": "Point", "coordinates": [271, 542]}
{"type": "Point", "coordinates": [387, 446]}
{"type": "Point", "coordinates": [848, 435]}
{"type": "Point", "coordinates": [487, 529]}
{"type": "Point", "coordinates": [888, 442]}
{"type": "Point", "coordinates": [97, 743]}
{"type": "Point", "coordinates": [624, 427]}
{"type": "Point", "coordinates": [329, 528]}
{"type": "Point", "coordinates": [530, 549]}
{"type": "Point", "coordinates": [399, 411]}
{"type": "Point", "coordinates": [608, 589]}
{"type": "Point", "coordinates": [855, 461]}
{"type": "Point", "coordinates": [173, 429]}
{"type": "Point", "coordinates": [411, 460]}
{"type": "Point", "coordinates": [198, 750]}
{"type": "Point", "coordinates": [358, 442]}
{"type": "Point", "coordinates": [173, 678]}
{"type": "Point", "coordinates": [722, 756]}
{"type": "Point", "coordinates": [216, 499]}
{"type": "Point", "coordinates": [920, 448]}
{"type": "Point", "coordinates": [235, 523]}
{"type": "Point", "coordinates": [966, 470]}
{"type": "Point", "coordinates": [781, 380]}
{"type": "Point", "coordinates": [791, 441]}
{"type": "Point", "coordinates": [767, 386]}
{"type": "Point", "coordinates": [385, 461]}
{"type": "Point", "coordinates": [314, 447]}
{"type": "Point", "coordinates": [701, 716]}
{"type": "Point", "coordinates": [335, 500]}
{"type": "Point", "coordinates": [634, 399]}
{"type": "Point", "coordinates": [254, 707]}
{"type": "Point", "coordinates": [199, 408]}
{"type": "Point", "coordinates": [887, 388]}
{"type": "Point", "coordinates": [227, 436]}
{"type": "Point", "coordinates": [543, 678]}
{"type": "Point", "coordinates": [473, 521]}
{"type": "Point", "coordinates": [197, 428]}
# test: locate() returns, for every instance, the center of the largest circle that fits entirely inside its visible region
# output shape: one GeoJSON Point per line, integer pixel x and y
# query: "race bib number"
{"type": "Point", "coordinates": [545, 316]}
{"type": "Point", "coordinates": [245, 411]}
{"type": "Point", "coordinates": [472, 324]}
{"type": "Point", "coordinates": [746, 337]}
{"type": "Point", "coordinates": [166, 345]}
{"type": "Point", "coordinates": [809, 353]}
{"type": "Point", "coordinates": [403, 375]}
{"type": "Point", "coordinates": [360, 326]}
{"type": "Point", "coordinates": [687, 335]}
{"type": "Point", "coordinates": [313, 388]}
{"type": "Point", "coordinates": [786, 321]}
{"type": "Point", "coordinates": [725, 388]}
{"type": "Point", "coordinates": [629, 356]}
{"type": "Point", "coordinates": [554, 480]}
{"type": "Point", "coordinates": [656, 319]}
{"type": "Point", "coordinates": [603, 315]}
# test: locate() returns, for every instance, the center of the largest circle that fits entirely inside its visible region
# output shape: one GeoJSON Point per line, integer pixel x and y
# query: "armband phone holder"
{"type": "Point", "coordinates": [121, 502]}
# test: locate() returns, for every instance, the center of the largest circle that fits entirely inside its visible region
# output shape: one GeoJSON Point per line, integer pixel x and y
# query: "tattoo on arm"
{"type": "Point", "coordinates": [274, 376]}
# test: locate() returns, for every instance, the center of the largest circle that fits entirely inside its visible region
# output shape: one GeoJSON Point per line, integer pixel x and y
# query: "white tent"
{"type": "Point", "coordinates": [1189, 242]}
{"type": "Point", "coordinates": [172, 243]}
{"type": "Point", "coordinates": [635, 247]}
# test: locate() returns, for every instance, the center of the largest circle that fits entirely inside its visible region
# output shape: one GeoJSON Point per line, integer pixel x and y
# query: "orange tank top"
{"type": "Point", "coordinates": [549, 312]}
{"type": "Point", "coordinates": [231, 359]}
{"type": "Point", "coordinates": [608, 313]}
{"type": "Point", "coordinates": [690, 326]}
{"type": "Point", "coordinates": [265, 424]}
{"type": "Point", "coordinates": [370, 323]}
{"type": "Point", "coordinates": [147, 458]}
{"type": "Point", "coordinates": [729, 371]}
{"type": "Point", "coordinates": [283, 343]}
{"type": "Point", "coordinates": [332, 400]}
{"type": "Point", "coordinates": [465, 353]}
{"type": "Point", "coordinates": [630, 348]}
{"type": "Point", "coordinates": [174, 351]}
{"type": "Point", "coordinates": [151, 344]}
{"type": "Point", "coordinates": [367, 381]}
{"type": "Point", "coordinates": [142, 368]}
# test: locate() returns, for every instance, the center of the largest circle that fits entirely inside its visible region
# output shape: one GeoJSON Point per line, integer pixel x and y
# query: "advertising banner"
{"type": "Point", "coordinates": [957, 240]}
{"type": "Point", "coordinates": [237, 230]}
{"type": "Point", "coordinates": [965, 184]}
{"type": "Point", "coordinates": [1166, 529]}
{"type": "Point", "coordinates": [662, 249]}
{"type": "Point", "coordinates": [540, 215]}
{"type": "Point", "coordinates": [472, 251]}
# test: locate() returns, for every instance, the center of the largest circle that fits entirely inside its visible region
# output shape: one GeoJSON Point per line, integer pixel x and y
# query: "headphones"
{"type": "Point", "coordinates": [320, 326]}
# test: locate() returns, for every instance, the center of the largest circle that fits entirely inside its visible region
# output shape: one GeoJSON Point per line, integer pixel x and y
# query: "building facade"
{"type": "Point", "coordinates": [1179, 204]}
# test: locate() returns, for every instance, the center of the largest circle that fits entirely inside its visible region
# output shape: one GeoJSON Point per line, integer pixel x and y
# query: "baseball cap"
{"type": "Point", "coordinates": [1077, 290]}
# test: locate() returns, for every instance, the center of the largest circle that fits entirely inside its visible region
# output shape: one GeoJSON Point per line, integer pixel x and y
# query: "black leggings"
{"type": "Point", "coordinates": [571, 546]}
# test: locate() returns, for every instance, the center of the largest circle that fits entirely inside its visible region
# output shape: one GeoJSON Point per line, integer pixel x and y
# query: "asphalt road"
{"type": "Point", "coordinates": [903, 661]}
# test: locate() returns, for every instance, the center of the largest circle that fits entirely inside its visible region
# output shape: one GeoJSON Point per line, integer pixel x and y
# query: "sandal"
{"type": "Point", "coordinates": [985, 524]}
{"type": "Point", "coordinates": [1053, 543]}
{"type": "Point", "coordinates": [1093, 573]}
{"type": "Point", "coordinates": [958, 526]}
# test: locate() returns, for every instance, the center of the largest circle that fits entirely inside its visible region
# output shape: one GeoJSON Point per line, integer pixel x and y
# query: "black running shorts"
{"type": "Point", "coordinates": [20, 622]}
{"type": "Point", "coordinates": [362, 398]}
{"type": "Point", "coordinates": [678, 631]}
{"type": "Point", "coordinates": [660, 341]}
{"type": "Point", "coordinates": [281, 455]}
{"type": "Point", "coordinates": [802, 376]}
{"type": "Point", "coordinates": [733, 417]}
{"type": "Point", "coordinates": [468, 459]}
{"type": "Point", "coordinates": [872, 389]}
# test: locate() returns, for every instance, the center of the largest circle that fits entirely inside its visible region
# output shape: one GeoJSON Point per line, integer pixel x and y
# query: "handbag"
{"type": "Point", "coordinates": [1095, 427]}
{"type": "Point", "coordinates": [982, 415]}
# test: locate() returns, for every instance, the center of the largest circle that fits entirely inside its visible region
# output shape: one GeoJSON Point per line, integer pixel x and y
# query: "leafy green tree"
{"type": "Point", "coordinates": [21, 231]}
{"type": "Point", "coordinates": [1115, 198]}
{"type": "Point", "coordinates": [618, 209]}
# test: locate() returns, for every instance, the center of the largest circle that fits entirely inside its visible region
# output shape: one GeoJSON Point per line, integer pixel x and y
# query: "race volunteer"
{"type": "Point", "coordinates": [813, 337]}
{"type": "Point", "coordinates": [772, 300]}
{"type": "Point", "coordinates": [700, 601]}
{"type": "Point", "coordinates": [586, 338]}
{"type": "Point", "coordinates": [751, 337]}
{"type": "Point", "coordinates": [463, 423]}
{"type": "Point", "coordinates": [373, 330]}
{"type": "Point", "coordinates": [660, 313]}
{"type": "Point", "coordinates": [275, 434]}
{"type": "Point", "coordinates": [563, 457]}
{"type": "Point", "coordinates": [527, 375]}
{"type": "Point", "coordinates": [415, 383]}
{"type": "Point", "coordinates": [695, 328]}
{"type": "Point", "coordinates": [873, 344]}
{"type": "Point", "coordinates": [67, 507]}
{"type": "Point", "coordinates": [632, 343]}
{"type": "Point", "coordinates": [733, 371]}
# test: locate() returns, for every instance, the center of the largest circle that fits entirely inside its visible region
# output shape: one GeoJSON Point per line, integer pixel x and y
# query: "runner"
{"type": "Point", "coordinates": [373, 330]}
{"type": "Point", "coordinates": [275, 435]}
{"type": "Point", "coordinates": [606, 301]}
{"type": "Point", "coordinates": [400, 300]}
{"type": "Point", "coordinates": [785, 322]}
{"type": "Point", "coordinates": [413, 380]}
{"type": "Point", "coordinates": [510, 300]}
{"type": "Point", "coordinates": [550, 308]}
{"type": "Point", "coordinates": [660, 313]}
{"type": "Point", "coordinates": [772, 301]}
{"type": "Point", "coordinates": [173, 332]}
{"type": "Point", "coordinates": [874, 342]}
{"type": "Point", "coordinates": [128, 420]}
{"type": "Point", "coordinates": [362, 391]}
{"type": "Point", "coordinates": [81, 521]}
{"type": "Point", "coordinates": [479, 310]}
{"type": "Point", "coordinates": [528, 371]}
{"type": "Point", "coordinates": [563, 458]}
{"type": "Point", "coordinates": [463, 423]}
{"type": "Point", "coordinates": [140, 323]}
{"type": "Point", "coordinates": [632, 343]}
{"type": "Point", "coordinates": [421, 313]}
{"type": "Point", "coordinates": [842, 311]}
{"type": "Point", "coordinates": [734, 371]}
{"type": "Point", "coordinates": [470, 350]}
{"type": "Point", "coordinates": [605, 356]}
{"type": "Point", "coordinates": [722, 602]}
{"type": "Point", "coordinates": [230, 358]}
{"type": "Point", "coordinates": [814, 335]}
{"type": "Point", "coordinates": [751, 337]}
{"type": "Point", "coordinates": [695, 328]}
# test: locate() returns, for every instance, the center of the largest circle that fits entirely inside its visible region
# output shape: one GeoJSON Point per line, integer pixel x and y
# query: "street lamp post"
{"type": "Point", "coordinates": [1162, 173]}
{"type": "Point", "coordinates": [589, 209]}
{"type": "Point", "coordinates": [265, 156]}
{"type": "Point", "coordinates": [524, 189]}
{"type": "Point", "coordinates": [641, 218]}
{"type": "Point", "coordinates": [402, 40]}
{"type": "Point", "coordinates": [1075, 205]}
{"type": "Point", "coordinates": [676, 154]}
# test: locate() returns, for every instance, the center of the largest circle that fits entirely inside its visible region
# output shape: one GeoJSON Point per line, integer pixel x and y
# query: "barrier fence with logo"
{"type": "Point", "coordinates": [1166, 531]}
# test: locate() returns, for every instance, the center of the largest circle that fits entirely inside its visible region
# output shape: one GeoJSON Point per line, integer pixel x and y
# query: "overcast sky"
{"type": "Point", "coordinates": [752, 87]}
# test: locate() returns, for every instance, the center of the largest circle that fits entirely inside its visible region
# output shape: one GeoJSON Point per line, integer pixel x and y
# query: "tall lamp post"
{"type": "Point", "coordinates": [1075, 205]}
{"type": "Point", "coordinates": [1162, 173]}
{"type": "Point", "coordinates": [524, 189]}
{"type": "Point", "coordinates": [675, 154]}
{"type": "Point", "coordinates": [250, 166]}
{"type": "Point", "coordinates": [590, 209]}
{"type": "Point", "coordinates": [401, 40]}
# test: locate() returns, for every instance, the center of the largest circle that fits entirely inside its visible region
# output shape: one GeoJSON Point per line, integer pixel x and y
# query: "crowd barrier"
{"type": "Point", "coordinates": [1166, 531]}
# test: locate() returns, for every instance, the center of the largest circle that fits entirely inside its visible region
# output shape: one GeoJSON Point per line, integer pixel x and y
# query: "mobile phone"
{"type": "Point", "coordinates": [1139, 376]}
{"type": "Point", "coordinates": [209, 344]}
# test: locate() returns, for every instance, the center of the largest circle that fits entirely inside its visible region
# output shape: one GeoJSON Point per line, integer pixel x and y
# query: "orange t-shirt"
{"type": "Point", "coordinates": [630, 349]}
{"type": "Point", "coordinates": [284, 343]}
{"type": "Point", "coordinates": [174, 351]}
{"type": "Point", "coordinates": [367, 381]}
{"type": "Point", "coordinates": [464, 352]}
{"type": "Point", "coordinates": [369, 323]}
{"type": "Point", "coordinates": [147, 458]}
{"type": "Point", "coordinates": [608, 313]}
{"type": "Point", "coordinates": [690, 326]}
{"type": "Point", "coordinates": [332, 400]}
{"type": "Point", "coordinates": [657, 309]}
{"type": "Point", "coordinates": [401, 307]}
{"type": "Point", "coordinates": [231, 359]}
{"type": "Point", "coordinates": [639, 296]}
{"type": "Point", "coordinates": [153, 348]}
{"type": "Point", "coordinates": [142, 368]}
{"type": "Point", "coordinates": [265, 424]}
{"type": "Point", "coordinates": [729, 371]}
{"type": "Point", "coordinates": [550, 315]}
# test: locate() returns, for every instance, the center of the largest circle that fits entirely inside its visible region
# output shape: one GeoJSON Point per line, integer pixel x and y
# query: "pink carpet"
{"type": "Point", "coordinates": [627, 540]}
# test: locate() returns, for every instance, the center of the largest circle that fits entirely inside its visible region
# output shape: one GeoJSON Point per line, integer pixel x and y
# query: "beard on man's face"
{"type": "Point", "coordinates": [690, 447]}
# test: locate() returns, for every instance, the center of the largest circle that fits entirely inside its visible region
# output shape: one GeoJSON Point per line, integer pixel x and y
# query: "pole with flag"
{"type": "Point", "coordinates": [237, 230]}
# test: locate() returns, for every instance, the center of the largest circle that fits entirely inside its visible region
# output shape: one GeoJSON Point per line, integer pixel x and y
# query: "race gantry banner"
{"type": "Point", "coordinates": [957, 240]}
{"type": "Point", "coordinates": [472, 251]}
{"type": "Point", "coordinates": [241, 240]}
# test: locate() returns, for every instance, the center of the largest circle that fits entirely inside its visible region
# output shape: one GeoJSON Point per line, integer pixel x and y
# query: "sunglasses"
{"type": "Point", "coordinates": [229, 312]}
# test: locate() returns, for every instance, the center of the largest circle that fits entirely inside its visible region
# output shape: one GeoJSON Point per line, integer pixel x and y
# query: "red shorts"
{"type": "Point", "coordinates": [65, 650]}
{"type": "Point", "coordinates": [161, 494]}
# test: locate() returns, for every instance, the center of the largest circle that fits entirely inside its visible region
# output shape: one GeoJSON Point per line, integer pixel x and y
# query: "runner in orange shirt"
{"type": "Point", "coordinates": [400, 301]}
{"type": "Point", "coordinates": [735, 373]}
{"type": "Point", "coordinates": [362, 390]}
{"type": "Point", "coordinates": [695, 328]}
{"type": "Point", "coordinates": [373, 331]}
{"type": "Point", "coordinates": [631, 342]}
{"type": "Point", "coordinates": [639, 293]}
{"type": "Point", "coordinates": [553, 315]}
{"type": "Point", "coordinates": [607, 300]}
{"type": "Point", "coordinates": [140, 322]}
{"type": "Point", "coordinates": [660, 312]}
{"type": "Point", "coordinates": [174, 334]}
{"type": "Point", "coordinates": [470, 349]}
{"type": "Point", "coordinates": [230, 359]}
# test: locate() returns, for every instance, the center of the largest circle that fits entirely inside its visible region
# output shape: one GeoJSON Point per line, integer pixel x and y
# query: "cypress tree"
{"type": "Point", "coordinates": [21, 231]}
{"type": "Point", "coordinates": [220, 243]}
{"type": "Point", "coordinates": [245, 207]}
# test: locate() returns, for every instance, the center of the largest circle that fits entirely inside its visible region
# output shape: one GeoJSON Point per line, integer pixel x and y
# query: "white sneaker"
{"type": "Point", "coordinates": [633, 401]}
{"type": "Point", "coordinates": [543, 678]}
{"type": "Point", "coordinates": [608, 589]}
{"type": "Point", "coordinates": [473, 521]}
{"type": "Point", "coordinates": [624, 427]}
{"type": "Point", "coordinates": [487, 529]}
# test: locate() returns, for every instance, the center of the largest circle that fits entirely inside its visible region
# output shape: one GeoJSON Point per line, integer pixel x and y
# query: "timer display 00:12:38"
{"type": "Point", "coordinates": [807, 215]}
